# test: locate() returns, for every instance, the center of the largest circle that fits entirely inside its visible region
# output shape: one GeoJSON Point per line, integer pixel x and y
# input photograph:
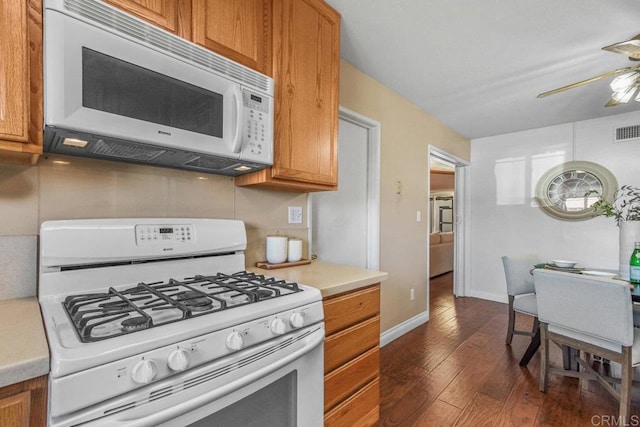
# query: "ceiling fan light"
{"type": "Point", "coordinates": [624, 96]}
{"type": "Point", "coordinates": [624, 81]}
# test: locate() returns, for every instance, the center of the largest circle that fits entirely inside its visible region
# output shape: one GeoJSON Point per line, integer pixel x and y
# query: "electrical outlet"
{"type": "Point", "coordinates": [412, 295]}
{"type": "Point", "coordinates": [295, 214]}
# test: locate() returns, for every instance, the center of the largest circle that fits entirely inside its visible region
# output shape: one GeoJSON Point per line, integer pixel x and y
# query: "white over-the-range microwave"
{"type": "Point", "coordinates": [118, 88]}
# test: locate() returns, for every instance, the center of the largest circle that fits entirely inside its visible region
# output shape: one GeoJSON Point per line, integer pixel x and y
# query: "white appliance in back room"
{"type": "Point", "coordinates": [153, 322]}
{"type": "Point", "coordinates": [118, 88]}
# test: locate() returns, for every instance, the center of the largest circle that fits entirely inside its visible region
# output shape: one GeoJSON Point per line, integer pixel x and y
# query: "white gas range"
{"type": "Point", "coordinates": [154, 322]}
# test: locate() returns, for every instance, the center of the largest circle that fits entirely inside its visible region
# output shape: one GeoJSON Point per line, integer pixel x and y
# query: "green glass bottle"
{"type": "Point", "coordinates": [634, 265]}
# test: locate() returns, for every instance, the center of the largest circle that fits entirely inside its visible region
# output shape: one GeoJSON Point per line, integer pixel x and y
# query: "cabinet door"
{"type": "Point", "coordinates": [163, 13]}
{"type": "Point", "coordinates": [24, 403]}
{"type": "Point", "coordinates": [306, 68]}
{"type": "Point", "coordinates": [20, 81]}
{"type": "Point", "coordinates": [237, 29]}
{"type": "Point", "coordinates": [306, 61]}
{"type": "Point", "coordinates": [14, 410]}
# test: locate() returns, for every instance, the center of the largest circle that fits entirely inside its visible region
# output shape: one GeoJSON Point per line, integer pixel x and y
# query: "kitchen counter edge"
{"type": "Point", "coordinates": [25, 353]}
{"type": "Point", "coordinates": [330, 279]}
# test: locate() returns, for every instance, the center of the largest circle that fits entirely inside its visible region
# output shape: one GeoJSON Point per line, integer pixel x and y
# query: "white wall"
{"type": "Point", "coordinates": [505, 218]}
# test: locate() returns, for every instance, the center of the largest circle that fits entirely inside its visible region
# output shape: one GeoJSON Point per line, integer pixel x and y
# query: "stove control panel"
{"type": "Point", "coordinates": [161, 234]}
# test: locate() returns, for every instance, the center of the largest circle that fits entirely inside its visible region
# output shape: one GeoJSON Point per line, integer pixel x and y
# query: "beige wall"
{"type": "Point", "coordinates": [86, 188]}
{"type": "Point", "coordinates": [407, 132]}
{"type": "Point", "coordinates": [63, 187]}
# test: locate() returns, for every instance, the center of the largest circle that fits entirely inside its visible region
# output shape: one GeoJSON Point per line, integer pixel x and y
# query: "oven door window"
{"type": "Point", "coordinates": [118, 87]}
{"type": "Point", "coordinates": [273, 405]}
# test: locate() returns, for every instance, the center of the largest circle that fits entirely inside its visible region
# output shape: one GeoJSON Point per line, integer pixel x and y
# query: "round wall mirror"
{"type": "Point", "coordinates": [568, 190]}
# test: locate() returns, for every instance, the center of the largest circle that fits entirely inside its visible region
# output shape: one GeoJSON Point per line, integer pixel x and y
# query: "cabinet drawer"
{"type": "Point", "coordinates": [346, 345]}
{"type": "Point", "coordinates": [346, 310]}
{"type": "Point", "coordinates": [345, 380]}
{"type": "Point", "coordinates": [362, 409]}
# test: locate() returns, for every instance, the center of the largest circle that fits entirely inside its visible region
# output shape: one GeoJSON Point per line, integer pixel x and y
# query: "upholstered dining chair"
{"type": "Point", "coordinates": [521, 291]}
{"type": "Point", "coordinates": [592, 315]}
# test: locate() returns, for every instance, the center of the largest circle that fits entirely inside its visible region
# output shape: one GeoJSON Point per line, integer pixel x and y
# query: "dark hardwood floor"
{"type": "Point", "coordinates": [457, 370]}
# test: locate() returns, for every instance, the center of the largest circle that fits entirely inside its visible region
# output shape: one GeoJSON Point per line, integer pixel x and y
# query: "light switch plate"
{"type": "Point", "coordinates": [295, 214]}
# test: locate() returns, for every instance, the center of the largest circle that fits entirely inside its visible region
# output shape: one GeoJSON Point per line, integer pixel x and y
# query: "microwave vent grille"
{"type": "Point", "coordinates": [166, 42]}
{"type": "Point", "coordinates": [126, 151]}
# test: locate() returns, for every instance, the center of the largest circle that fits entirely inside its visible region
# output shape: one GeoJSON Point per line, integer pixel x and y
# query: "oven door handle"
{"type": "Point", "coordinates": [313, 340]}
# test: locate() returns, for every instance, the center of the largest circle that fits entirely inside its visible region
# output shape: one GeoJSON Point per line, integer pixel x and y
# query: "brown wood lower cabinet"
{"type": "Point", "coordinates": [342, 382]}
{"type": "Point", "coordinates": [352, 358]}
{"type": "Point", "coordinates": [361, 409]}
{"type": "Point", "coordinates": [24, 404]}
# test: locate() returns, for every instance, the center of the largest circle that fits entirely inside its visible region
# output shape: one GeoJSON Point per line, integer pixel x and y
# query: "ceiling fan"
{"type": "Point", "coordinates": [625, 85]}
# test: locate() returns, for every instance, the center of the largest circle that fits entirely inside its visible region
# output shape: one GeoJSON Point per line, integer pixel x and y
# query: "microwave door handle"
{"type": "Point", "coordinates": [237, 98]}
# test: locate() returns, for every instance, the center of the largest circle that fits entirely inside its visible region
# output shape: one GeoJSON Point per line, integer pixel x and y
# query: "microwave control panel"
{"type": "Point", "coordinates": [257, 128]}
{"type": "Point", "coordinates": [163, 234]}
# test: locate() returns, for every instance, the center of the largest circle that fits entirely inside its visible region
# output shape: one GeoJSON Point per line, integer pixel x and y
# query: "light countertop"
{"type": "Point", "coordinates": [331, 279]}
{"type": "Point", "coordinates": [24, 353]}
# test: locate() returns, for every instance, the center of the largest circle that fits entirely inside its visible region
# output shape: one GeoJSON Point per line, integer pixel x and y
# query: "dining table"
{"type": "Point", "coordinates": [535, 340]}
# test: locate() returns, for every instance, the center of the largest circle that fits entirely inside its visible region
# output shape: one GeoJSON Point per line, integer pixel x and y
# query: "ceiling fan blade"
{"type": "Point", "coordinates": [612, 103]}
{"type": "Point", "coordinates": [587, 81]}
{"type": "Point", "coordinates": [630, 48]}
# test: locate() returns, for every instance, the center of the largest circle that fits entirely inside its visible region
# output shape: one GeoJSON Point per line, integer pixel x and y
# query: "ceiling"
{"type": "Point", "coordinates": [478, 66]}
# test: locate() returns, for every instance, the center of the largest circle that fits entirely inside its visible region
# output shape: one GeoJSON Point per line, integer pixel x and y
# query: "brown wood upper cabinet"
{"type": "Point", "coordinates": [295, 41]}
{"type": "Point", "coordinates": [237, 29]}
{"type": "Point", "coordinates": [20, 81]}
{"type": "Point", "coordinates": [162, 13]}
{"type": "Point", "coordinates": [306, 52]}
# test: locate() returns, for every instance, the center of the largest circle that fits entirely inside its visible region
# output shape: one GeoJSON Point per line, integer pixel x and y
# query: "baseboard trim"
{"type": "Point", "coordinates": [397, 331]}
{"type": "Point", "coordinates": [488, 296]}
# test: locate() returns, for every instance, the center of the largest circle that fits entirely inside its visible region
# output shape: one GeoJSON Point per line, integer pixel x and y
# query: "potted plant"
{"type": "Point", "coordinates": [625, 209]}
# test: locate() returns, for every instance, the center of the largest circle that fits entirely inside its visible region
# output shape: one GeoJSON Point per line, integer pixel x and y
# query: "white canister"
{"type": "Point", "coordinates": [295, 250]}
{"type": "Point", "coordinates": [276, 249]}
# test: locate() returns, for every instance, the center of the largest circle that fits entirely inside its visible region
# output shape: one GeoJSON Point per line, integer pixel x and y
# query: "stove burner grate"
{"type": "Point", "coordinates": [99, 316]}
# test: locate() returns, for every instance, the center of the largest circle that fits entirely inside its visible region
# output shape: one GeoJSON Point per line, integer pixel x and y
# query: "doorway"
{"type": "Point", "coordinates": [447, 213]}
{"type": "Point", "coordinates": [344, 225]}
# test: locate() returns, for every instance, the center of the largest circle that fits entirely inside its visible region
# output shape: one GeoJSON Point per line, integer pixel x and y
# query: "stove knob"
{"type": "Point", "coordinates": [296, 320]}
{"type": "Point", "coordinates": [278, 327]}
{"type": "Point", "coordinates": [144, 371]}
{"type": "Point", "coordinates": [235, 341]}
{"type": "Point", "coordinates": [178, 360]}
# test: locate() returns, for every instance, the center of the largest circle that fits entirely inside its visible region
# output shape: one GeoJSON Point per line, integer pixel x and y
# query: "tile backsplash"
{"type": "Point", "coordinates": [71, 187]}
{"type": "Point", "coordinates": [18, 260]}
{"type": "Point", "coordinates": [62, 187]}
